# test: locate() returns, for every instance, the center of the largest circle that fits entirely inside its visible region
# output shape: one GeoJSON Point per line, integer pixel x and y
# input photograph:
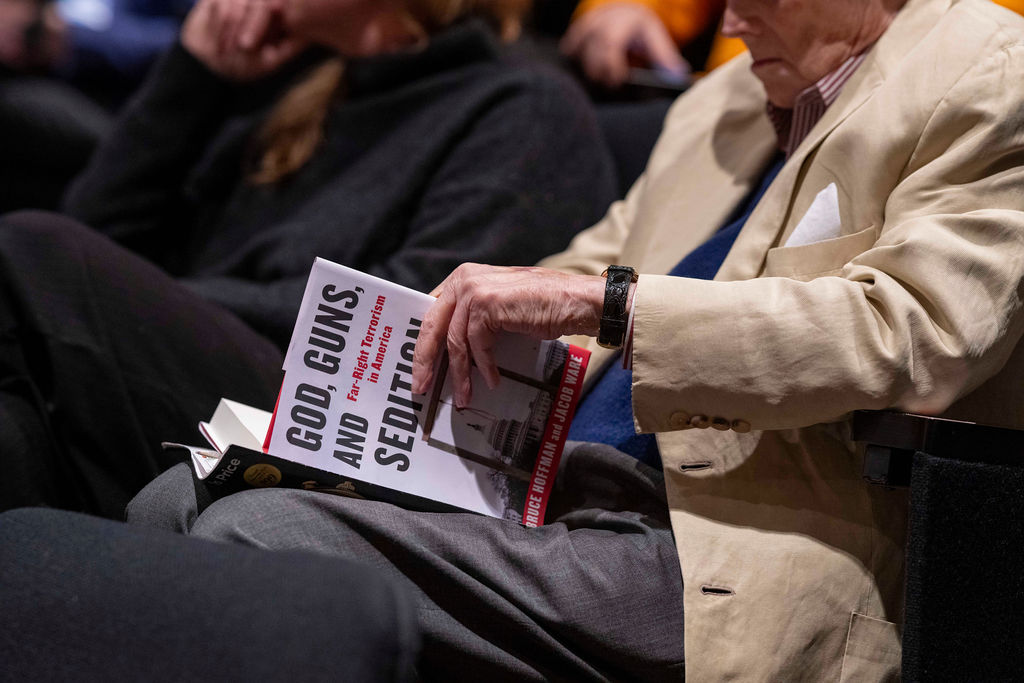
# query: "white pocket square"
{"type": "Point", "coordinates": [821, 222]}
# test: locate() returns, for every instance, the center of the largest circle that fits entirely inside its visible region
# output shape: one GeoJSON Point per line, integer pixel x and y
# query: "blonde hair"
{"type": "Point", "coordinates": [295, 127]}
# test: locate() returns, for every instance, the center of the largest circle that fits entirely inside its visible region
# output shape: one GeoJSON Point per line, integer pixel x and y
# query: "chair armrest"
{"type": "Point", "coordinates": [965, 569]}
{"type": "Point", "coordinates": [893, 437]}
{"type": "Point", "coordinates": [939, 436]}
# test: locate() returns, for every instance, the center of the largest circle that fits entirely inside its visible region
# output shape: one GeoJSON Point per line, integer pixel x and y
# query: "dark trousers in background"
{"type": "Point", "coordinates": [48, 131]}
{"type": "Point", "coordinates": [88, 599]}
{"type": "Point", "coordinates": [102, 357]}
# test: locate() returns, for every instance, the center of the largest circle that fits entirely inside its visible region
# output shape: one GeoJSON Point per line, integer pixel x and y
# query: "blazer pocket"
{"type": "Point", "coordinates": [819, 259]}
{"type": "Point", "coordinates": [873, 651]}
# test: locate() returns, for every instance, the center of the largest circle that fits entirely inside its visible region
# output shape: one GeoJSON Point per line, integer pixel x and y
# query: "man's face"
{"type": "Point", "coordinates": [795, 43]}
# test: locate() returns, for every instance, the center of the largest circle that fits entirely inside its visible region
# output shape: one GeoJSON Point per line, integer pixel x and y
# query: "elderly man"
{"type": "Point", "coordinates": [861, 175]}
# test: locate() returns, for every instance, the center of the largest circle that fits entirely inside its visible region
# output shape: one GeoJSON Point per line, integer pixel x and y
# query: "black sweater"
{"type": "Point", "coordinates": [448, 155]}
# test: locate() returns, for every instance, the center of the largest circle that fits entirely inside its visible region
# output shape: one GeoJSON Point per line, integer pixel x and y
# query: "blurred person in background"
{"type": "Point", "coordinates": [832, 222]}
{"type": "Point", "coordinates": [392, 137]}
{"type": "Point", "coordinates": [612, 39]}
{"type": "Point", "coordinates": [65, 66]}
{"type": "Point", "coordinates": [102, 46]}
{"type": "Point", "coordinates": [635, 57]}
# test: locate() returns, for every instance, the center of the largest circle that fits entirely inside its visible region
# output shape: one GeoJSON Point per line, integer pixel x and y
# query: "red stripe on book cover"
{"type": "Point", "coordinates": [550, 453]}
{"type": "Point", "coordinates": [273, 416]}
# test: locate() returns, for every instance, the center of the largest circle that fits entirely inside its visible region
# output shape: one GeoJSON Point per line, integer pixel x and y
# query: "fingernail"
{"type": "Point", "coordinates": [463, 395]}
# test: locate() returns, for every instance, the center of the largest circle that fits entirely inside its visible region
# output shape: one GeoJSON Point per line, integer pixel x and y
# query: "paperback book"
{"type": "Point", "coordinates": [347, 423]}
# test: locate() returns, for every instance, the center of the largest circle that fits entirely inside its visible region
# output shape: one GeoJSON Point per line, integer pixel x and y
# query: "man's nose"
{"type": "Point", "coordinates": [734, 24]}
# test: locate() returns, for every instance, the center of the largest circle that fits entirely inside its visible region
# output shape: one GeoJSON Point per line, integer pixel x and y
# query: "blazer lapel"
{"type": "Point", "coordinates": [715, 192]}
{"type": "Point", "coordinates": [766, 224]}
{"type": "Point", "coordinates": [690, 199]}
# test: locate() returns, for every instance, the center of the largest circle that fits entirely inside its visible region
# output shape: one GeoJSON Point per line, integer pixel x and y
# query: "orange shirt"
{"type": "Point", "coordinates": [684, 19]}
{"type": "Point", "coordinates": [1016, 5]}
{"type": "Point", "coordinates": [722, 50]}
{"type": "Point", "coordinates": [687, 19]}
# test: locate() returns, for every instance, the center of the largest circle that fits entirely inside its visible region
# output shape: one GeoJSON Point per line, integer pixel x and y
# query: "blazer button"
{"type": "Point", "coordinates": [700, 421]}
{"type": "Point", "coordinates": [679, 419]}
{"type": "Point", "coordinates": [720, 423]}
{"type": "Point", "coordinates": [741, 426]}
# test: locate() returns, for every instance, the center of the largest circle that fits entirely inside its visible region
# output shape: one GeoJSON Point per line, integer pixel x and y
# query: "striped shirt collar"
{"type": "Point", "coordinates": [793, 125]}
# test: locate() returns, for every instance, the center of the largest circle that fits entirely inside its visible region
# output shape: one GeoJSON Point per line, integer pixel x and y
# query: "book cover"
{"type": "Point", "coordinates": [346, 416]}
{"type": "Point", "coordinates": [236, 461]}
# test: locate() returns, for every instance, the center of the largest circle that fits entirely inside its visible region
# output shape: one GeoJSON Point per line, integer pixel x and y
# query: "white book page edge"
{"type": "Point", "coordinates": [203, 459]}
{"type": "Point", "coordinates": [236, 424]}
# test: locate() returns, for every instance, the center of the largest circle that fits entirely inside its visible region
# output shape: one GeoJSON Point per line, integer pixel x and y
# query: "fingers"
{"type": "Point", "coordinates": [432, 338]}
{"type": "Point", "coordinates": [273, 55]}
{"type": "Point", "coordinates": [481, 336]}
{"type": "Point", "coordinates": [475, 303]}
{"type": "Point", "coordinates": [240, 25]}
{"type": "Point", "coordinates": [604, 63]}
{"type": "Point", "coordinates": [661, 50]}
{"type": "Point", "coordinates": [571, 44]}
{"type": "Point", "coordinates": [601, 45]}
{"type": "Point", "coordinates": [239, 39]}
{"type": "Point", "coordinates": [456, 324]}
{"type": "Point", "coordinates": [603, 39]}
{"type": "Point", "coordinates": [197, 29]}
{"type": "Point", "coordinates": [460, 362]}
{"type": "Point", "coordinates": [231, 15]}
{"type": "Point", "coordinates": [471, 332]}
{"type": "Point", "coordinates": [254, 25]}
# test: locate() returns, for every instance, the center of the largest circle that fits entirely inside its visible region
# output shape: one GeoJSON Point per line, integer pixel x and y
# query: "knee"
{"type": "Point", "coordinates": [168, 502]}
{"type": "Point", "coordinates": [44, 231]}
{"type": "Point", "coordinates": [38, 220]}
{"type": "Point", "coordinates": [248, 517]}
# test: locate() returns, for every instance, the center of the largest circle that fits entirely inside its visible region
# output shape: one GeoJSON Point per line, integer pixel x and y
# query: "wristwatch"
{"type": "Point", "coordinates": [612, 331]}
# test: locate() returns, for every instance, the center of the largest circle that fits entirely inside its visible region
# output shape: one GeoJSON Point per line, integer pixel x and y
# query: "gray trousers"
{"type": "Point", "coordinates": [594, 594]}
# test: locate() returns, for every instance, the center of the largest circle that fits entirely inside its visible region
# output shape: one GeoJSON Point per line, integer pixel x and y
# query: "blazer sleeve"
{"type": "Point", "coordinates": [918, 320]}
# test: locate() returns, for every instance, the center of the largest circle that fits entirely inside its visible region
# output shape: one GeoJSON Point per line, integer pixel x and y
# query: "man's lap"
{"type": "Point", "coordinates": [596, 593]}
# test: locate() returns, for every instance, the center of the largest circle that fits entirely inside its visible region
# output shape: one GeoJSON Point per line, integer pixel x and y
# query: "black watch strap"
{"type": "Point", "coordinates": [612, 331]}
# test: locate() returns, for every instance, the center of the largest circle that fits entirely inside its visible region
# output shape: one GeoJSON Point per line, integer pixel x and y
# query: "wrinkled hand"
{"type": "Point", "coordinates": [241, 40]}
{"type": "Point", "coordinates": [477, 302]}
{"type": "Point", "coordinates": [33, 36]}
{"type": "Point", "coordinates": [603, 39]}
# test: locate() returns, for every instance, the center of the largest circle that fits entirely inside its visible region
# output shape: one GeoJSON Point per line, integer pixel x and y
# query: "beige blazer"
{"type": "Point", "coordinates": [792, 565]}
